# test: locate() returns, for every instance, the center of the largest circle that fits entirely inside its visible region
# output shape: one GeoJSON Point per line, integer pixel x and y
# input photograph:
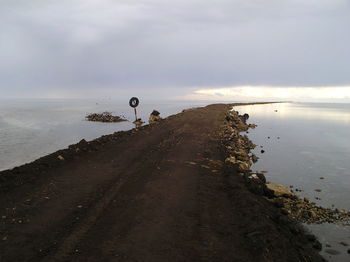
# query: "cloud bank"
{"type": "Point", "coordinates": [103, 48]}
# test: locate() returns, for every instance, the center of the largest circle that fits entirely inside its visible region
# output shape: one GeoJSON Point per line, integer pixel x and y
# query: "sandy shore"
{"type": "Point", "coordinates": [159, 193]}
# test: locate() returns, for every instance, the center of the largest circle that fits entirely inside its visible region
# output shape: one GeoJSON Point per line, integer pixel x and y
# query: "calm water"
{"type": "Point", "coordinates": [307, 141]}
{"type": "Point", "coordinates": [30, 129]}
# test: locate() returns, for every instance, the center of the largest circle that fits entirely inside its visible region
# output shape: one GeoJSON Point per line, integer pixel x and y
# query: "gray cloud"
{"type": "Point", "coordinates": [48, 46]}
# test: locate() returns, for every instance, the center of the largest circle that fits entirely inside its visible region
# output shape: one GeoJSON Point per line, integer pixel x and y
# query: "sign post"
{"type": "Point", "coordinates": [134, 102]}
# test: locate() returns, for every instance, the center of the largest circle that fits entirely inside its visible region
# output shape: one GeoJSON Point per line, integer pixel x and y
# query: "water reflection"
{"type": "Point", "coordinates": [302, 143]}
{"type": "Point", "coordinates": [330, 112]}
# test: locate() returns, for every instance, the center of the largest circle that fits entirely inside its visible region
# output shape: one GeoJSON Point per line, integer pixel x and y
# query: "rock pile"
{"type": "Point", "coordinates": [138, 122]}
{"type": "Point", "coordinates": [104, 117]}
{"type": "Point", "coordinates": [238, 147]}
{"type": "Point", "coordinates": [154, 117]}
{"type": "Point", "coordinates": [308, 212]}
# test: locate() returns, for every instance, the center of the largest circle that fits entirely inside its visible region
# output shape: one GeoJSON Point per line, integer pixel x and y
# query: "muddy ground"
{"type": "Point", "coordinates": [159, 193]}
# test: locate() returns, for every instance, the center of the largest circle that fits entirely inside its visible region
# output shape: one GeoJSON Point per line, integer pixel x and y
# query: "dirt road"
{"type": "Point", "coordinates": [160, 193]}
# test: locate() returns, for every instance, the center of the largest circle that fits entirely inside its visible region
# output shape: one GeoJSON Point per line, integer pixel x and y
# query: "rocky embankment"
{"type": "Point", "coordinates": [300, 209]}
{"type": "Point", "coordinates": [104, 117]}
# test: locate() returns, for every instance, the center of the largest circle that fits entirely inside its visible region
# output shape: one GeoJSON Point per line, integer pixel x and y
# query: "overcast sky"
{"type": "Point", "coordinates": [183, 48]}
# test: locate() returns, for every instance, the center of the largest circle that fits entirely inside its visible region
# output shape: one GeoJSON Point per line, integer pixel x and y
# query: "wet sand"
{"type": "Point", "coordinates": [158, 193]}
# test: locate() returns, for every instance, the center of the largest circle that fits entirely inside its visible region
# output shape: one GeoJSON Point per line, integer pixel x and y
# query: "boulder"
{"type": "Point", "coordinates": [154, 117]}
{"type": "Point", "coordinates": [279, 190]}
{"type": "Point", "coordinates": [255, 184]}
{"type": "Point", "coordinates": [231, 160]}
{"type": "Point", "coordinates": [243, 166]}
{"type": "Point", "coordinates": [138, 122]}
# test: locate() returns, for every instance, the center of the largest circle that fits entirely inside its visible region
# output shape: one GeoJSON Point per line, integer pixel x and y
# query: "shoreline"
{"type": "Point", "coordinates": [193, 156]}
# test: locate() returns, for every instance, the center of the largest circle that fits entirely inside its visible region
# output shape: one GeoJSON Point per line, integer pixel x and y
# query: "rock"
{"type": "Point", "coordinates": [349, 251]}
{"type": "Point", "coordinates": [317, 245]}
{"type": "Point", "coordinates": [318, 190]}
{"type": "Point", "coordinates": [245, 117]}
{"type": "Point", "coordinates": [155, 113]}
{"type": "Point", "coordinates": [261, 177]}
{"type": "Point", "coordinates": [243, 166]}
{"type": "Point", "coordinates": [332, 251]}
{"type": "Point", "coordinates": [138, 122]}
{"type": "Point", "coordinates": [255, 185]}
{"type": "Point", "coordinates": [231, 160]}
{"type": "Point", "coordinates": [310, 237]}
{"type": "Point", "coordinates": [279, 190]}
{"type": "Point", "coordinates": [254, 158]}
{"type": "Point", "coordinates": [104, 117]}
{"type": "Point", "coordinates": [312, 214]}
{"type": "Point", "coordinates": [321, 177]}
{"type": "Point", "coordinates": [262, 151]}
{"type": "Point", "coordinates": [344, 244]}
{"type": "Point", "coordinates": [60, 157]}
{"type": "Point", "coordinates": [279, 202]}
{"type": "Point", "coordinates": [154, 117]}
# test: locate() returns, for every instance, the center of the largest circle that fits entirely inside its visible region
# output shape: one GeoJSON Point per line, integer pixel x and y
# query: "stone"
{"type": "Point", "coordinates": [60, 157]}
{"type": "Point", "coordinates": [254, 158]}
{"type": "Point", "coordinates": [254, 184]}
{"type": "Point", "coordinates": [231, 160]}
{"type": "Point", "coordinates": [318, 190]}
{"type": "Point", "coordinates": [261, 177]}
{"type": "Point", "coordinates": [344, 244]}
{"type": "Point", "coordinates": [279, 190]}
{"type": "Point", "coordinates": [262, 151]}
{"type": "Point", "coordinates": [138, 122]}
{"type": "Point", "coordinates": [104, 117]}
{"type": "Point", "coordinates": [312, 214]}
{"type": "Point", "coordinates": [243, 166]}
{"type": "Point", "coordinates": [332, 251]}
{"type": "Point", "coordinates": [317, 245]}
{"type": "Point", "coordinates": [154, 117]}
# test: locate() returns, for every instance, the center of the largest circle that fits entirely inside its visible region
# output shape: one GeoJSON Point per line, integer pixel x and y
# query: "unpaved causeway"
{"type": "Point", "coordinates": [159, 193]}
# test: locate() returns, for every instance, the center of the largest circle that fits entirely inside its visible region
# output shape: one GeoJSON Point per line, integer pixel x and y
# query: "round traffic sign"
{"type": "Point", "coordinates": [134, 102]}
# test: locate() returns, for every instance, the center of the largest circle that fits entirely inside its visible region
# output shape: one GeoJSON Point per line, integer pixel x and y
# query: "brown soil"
{"type": "Point", "coordinates": [159, 193]}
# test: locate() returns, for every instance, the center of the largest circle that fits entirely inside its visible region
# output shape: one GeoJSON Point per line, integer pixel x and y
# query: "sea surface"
{"type": "Point", "coordinates": [30, 129]}
{"type": "Point", "coordinates": [304, 142]}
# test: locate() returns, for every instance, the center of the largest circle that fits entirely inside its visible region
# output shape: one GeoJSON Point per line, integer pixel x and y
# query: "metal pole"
{"type": "Point", "coordinates": [135, 114]}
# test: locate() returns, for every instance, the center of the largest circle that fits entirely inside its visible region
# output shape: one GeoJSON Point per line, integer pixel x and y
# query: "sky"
{"type": "Point", "coordinates": [183, 49]}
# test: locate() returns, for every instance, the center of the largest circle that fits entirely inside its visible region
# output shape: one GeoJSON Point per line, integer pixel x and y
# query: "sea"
{"type": "Point", "coordinates": [32, 128]}
{"type": "Point", "coordinates": [303, 142]}
{"type": "Point", "coordinates": [307, 146]}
